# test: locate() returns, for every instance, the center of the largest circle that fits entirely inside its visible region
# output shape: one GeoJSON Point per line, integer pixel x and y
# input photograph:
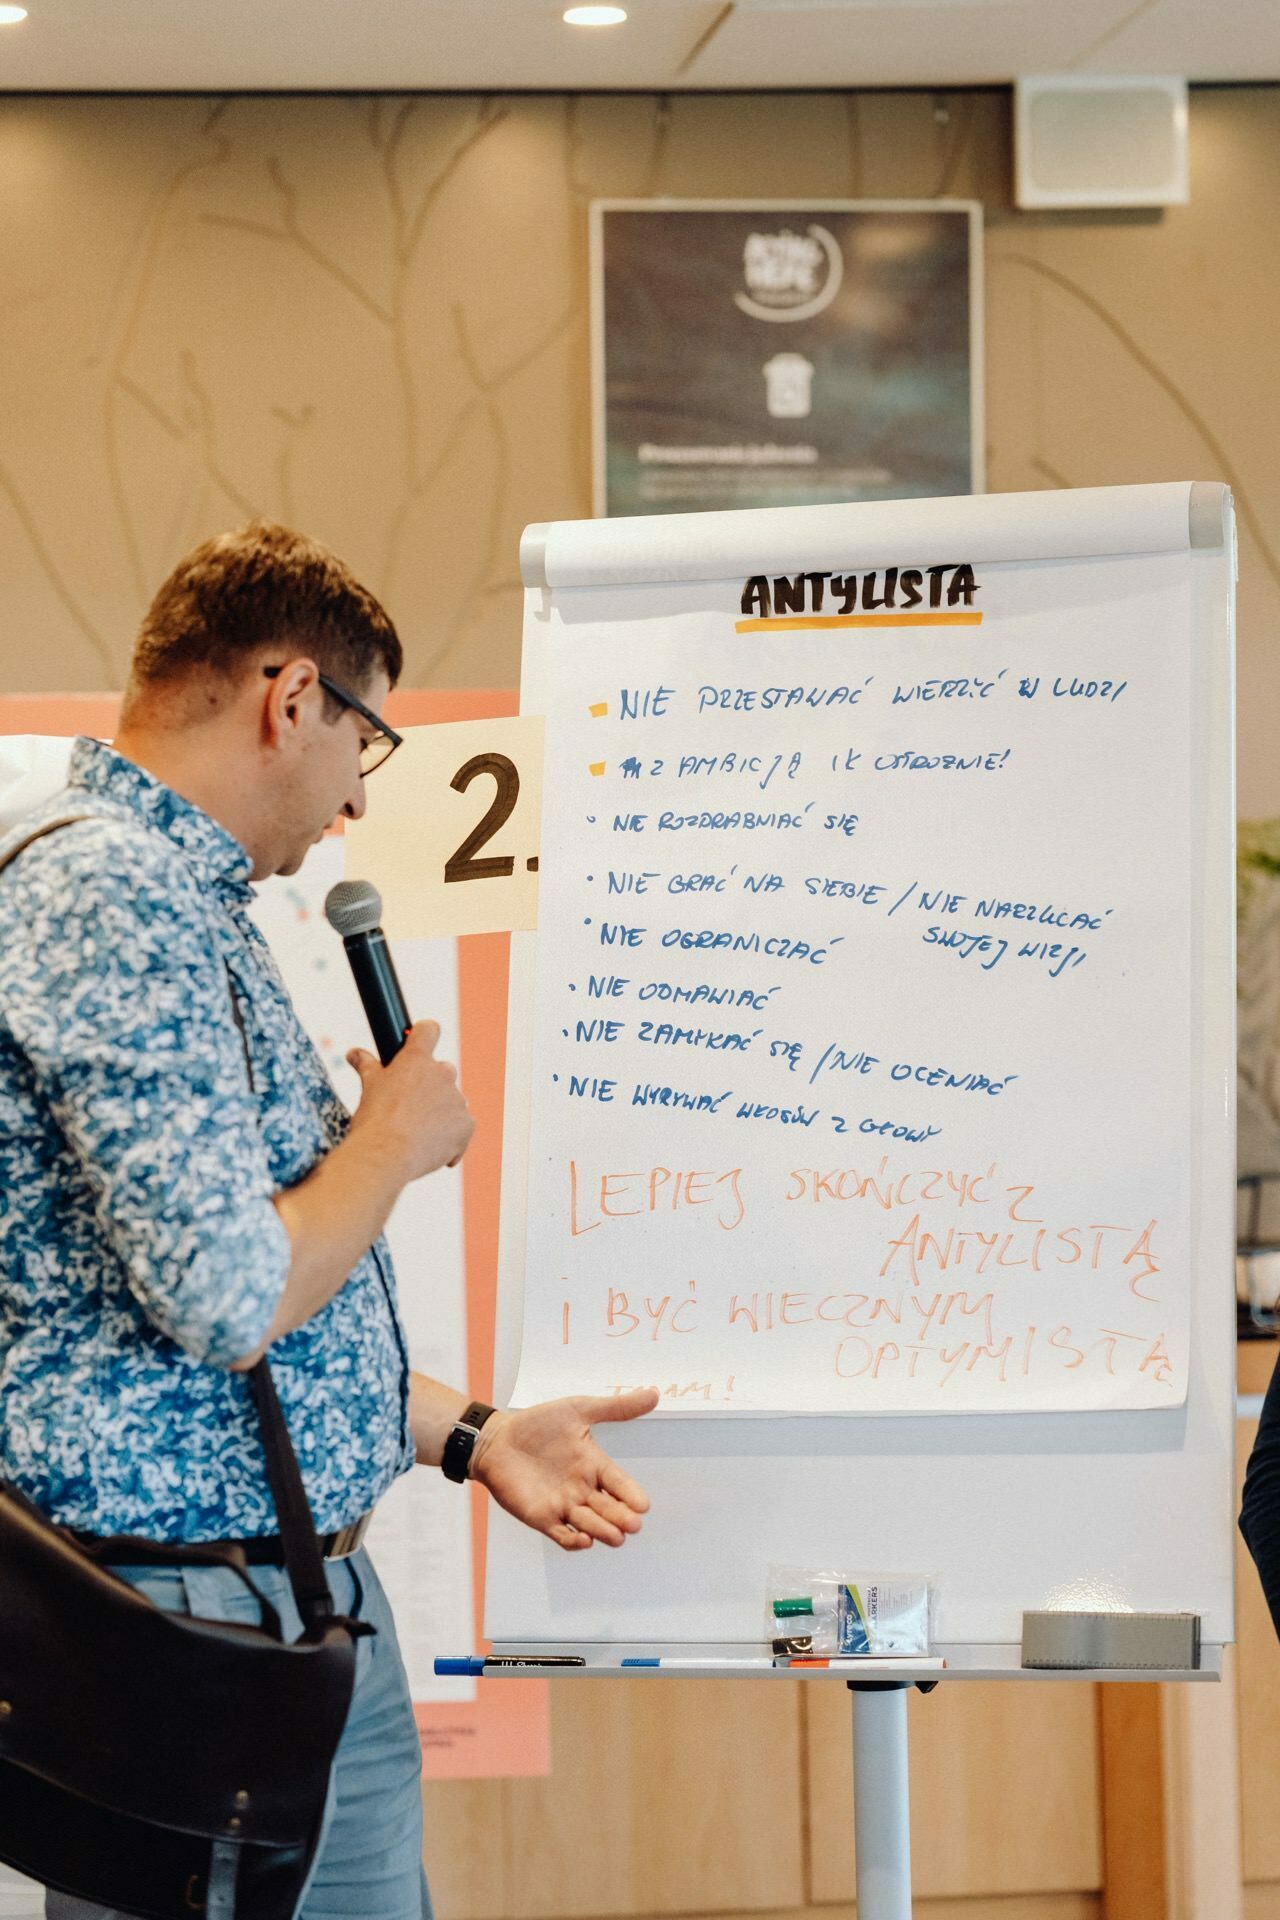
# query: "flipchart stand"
{"type": "Point", "coordinates": [1150, 1648]}
{"type": "Point", "coordinates": [1085, 1501]}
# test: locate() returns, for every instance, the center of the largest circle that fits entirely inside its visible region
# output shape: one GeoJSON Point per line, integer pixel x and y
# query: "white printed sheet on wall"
{"type": "Point", "coordinates": [420, 1540]}
{"type": "Point", "coordinates": [862, 1057]}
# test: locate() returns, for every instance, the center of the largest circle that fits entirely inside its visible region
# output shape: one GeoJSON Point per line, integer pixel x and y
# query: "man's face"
{"type": "Point", "coordinates": [321, 780]}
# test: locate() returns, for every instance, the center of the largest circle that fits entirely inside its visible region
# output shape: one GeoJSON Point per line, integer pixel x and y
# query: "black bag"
{"type": "Point", "coordinates": [154, 1762]}
{"type": "Point", "coordinates": [149, 1761]}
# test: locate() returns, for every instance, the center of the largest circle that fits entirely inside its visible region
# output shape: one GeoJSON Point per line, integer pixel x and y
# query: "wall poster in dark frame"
{"type": "Point", "coordinates": [784, 352]}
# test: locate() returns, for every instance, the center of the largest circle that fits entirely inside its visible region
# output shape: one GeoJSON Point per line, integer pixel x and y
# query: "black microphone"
{"type": "Point", "coordinates": [353, 908]}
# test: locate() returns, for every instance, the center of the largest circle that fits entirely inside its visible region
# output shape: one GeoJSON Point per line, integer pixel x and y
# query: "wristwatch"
{"type": "Point", "coordinates": [460, 1445]}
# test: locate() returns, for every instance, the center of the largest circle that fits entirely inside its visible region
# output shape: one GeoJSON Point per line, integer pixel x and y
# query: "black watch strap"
{"type": "Point", "coordinates": [460, 1445]}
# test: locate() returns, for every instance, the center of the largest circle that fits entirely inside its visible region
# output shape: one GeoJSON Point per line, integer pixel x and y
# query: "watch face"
{"type": "Point", "coordinates": [457, 1452]}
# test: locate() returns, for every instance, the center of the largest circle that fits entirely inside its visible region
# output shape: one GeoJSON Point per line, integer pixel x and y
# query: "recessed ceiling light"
{"type": "Point", "coordinates": [595, 16]}
{"type": "Point", "coordinates": [10, 16]}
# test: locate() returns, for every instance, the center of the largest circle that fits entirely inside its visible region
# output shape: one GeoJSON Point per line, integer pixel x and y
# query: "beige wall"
{"type": "Point", "coordinates": [369, 318]}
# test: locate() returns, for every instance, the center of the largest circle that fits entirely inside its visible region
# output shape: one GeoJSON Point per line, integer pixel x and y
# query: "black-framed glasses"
{"type": "Point", "coordinates": [373, 753]}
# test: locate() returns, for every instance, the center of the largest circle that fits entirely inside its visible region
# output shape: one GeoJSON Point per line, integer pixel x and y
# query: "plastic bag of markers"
{"type": "Point", "coordinates": [825, 1613]}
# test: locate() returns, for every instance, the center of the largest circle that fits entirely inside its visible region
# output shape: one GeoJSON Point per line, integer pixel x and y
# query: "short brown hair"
{"type": "Point", "coordinates": [260, 588]}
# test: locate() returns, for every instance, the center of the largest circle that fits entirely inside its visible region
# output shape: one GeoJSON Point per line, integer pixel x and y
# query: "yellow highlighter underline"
{"type": "Point", "coordinates": [859, 620]}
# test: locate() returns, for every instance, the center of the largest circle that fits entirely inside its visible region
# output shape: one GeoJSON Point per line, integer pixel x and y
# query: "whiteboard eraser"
{"type": "Point", "coordinates": [1169, 1641]}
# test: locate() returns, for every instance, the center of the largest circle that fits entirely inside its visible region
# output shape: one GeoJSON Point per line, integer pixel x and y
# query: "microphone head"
{"type": "Point", "coordinates": [353, 906]}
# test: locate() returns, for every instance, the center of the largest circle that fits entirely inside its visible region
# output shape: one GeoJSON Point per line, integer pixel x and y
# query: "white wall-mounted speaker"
{"type": "Point", "coordinates": [1100, 140]}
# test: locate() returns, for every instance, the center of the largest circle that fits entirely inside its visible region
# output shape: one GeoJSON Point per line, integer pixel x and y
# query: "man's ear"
{"type": "Point", "coordinates": [289, 700]}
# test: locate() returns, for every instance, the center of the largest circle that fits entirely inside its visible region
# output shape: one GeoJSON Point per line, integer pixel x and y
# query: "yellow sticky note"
{"type": "Point", "coordinates": [598, 709]}
{"type": "Point", "coordinates": [450, 837]}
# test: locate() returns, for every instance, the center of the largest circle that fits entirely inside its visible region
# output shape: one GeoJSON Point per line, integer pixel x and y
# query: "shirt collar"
{"type": "Point", "coordinates": [216, 854]}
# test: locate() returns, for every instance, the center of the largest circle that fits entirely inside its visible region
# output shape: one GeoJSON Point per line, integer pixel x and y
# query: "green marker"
{"type": "Point", "coordinates": [788, 1609]}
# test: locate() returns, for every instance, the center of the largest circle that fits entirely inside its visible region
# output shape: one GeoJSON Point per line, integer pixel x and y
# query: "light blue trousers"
{"type": "Point", "coordinates": [368, 1865]}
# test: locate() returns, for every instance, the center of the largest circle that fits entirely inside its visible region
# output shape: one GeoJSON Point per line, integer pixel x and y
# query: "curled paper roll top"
{"type": "Point", "coordinates": [1004, 527]}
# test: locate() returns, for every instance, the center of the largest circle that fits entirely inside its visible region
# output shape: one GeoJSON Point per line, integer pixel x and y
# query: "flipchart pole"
{"type": "Point", "coordinates": [881, 1801]}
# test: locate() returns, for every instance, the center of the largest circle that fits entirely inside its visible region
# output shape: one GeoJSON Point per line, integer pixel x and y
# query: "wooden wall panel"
{"type": "Point", "coordinates": [1029, 1906]}
{"type": "Point", "coordinates": [681, 1796]}
{"type": "Point", "coordinates": [1202, 1799]}
{"type": "Point", "coordinates": [1004, 1790]}
{"type": "Point", "coordinates": [1134, 1813]}
{"type": "Point", "coordinates": [464, 1825]}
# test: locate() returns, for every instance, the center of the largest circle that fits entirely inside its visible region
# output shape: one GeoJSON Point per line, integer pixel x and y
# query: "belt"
{"type": "Point", "coordinates": [267, 1549]}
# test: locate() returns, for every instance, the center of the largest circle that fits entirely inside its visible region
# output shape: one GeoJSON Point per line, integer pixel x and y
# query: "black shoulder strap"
{"type": "Point", "coordinates": [302, 1556]}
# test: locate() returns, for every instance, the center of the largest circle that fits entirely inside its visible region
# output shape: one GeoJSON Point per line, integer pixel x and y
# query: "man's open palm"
{"type": "Point", "coordinates": [543, 1465]}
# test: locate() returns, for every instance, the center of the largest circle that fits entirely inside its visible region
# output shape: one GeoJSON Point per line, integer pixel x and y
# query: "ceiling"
{"type": "Point", "coordinates": [467, 45]}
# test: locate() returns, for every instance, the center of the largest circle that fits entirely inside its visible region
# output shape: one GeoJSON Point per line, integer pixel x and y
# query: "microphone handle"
{"type": "Point", "coordinates": [379, 990]}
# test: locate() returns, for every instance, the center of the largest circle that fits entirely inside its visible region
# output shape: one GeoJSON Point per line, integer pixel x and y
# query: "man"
{"type": "Point", "coordinates": [182, 1191]}
{"type": "Point", "coordinates": [1260, 1504]}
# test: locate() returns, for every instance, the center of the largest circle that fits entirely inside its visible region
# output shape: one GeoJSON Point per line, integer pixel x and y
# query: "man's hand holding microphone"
{"type": "Point", "coordinates": [414, 1105]}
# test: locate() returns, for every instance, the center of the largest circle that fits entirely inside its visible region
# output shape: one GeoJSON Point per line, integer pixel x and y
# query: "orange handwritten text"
{"type": "Point", "coordinates": [698, 1390]}
{"type": "Point", "coordinates": [595, 1198]}
{"type": "Point", "coordinates": [1099, 1245]}
{"type": "Point", "coordinates": [656, 1316]}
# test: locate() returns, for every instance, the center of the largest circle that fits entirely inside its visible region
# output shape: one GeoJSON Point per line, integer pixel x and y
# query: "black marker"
{"type": "Point", "coordinates": [472, 1666]}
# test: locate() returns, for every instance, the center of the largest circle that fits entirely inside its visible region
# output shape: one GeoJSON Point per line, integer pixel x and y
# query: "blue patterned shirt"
{"type": "Point", "coordinates": [140, 1252]}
